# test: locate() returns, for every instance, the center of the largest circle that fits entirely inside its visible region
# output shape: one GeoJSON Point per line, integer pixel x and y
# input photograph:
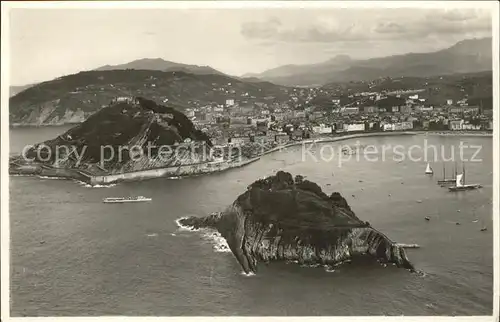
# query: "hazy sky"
{"type": "Point", "coordinates": [48, 43]}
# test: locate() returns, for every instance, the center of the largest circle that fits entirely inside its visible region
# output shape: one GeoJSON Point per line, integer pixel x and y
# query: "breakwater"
{"type": "Point", "coordinates": [177, 171]}
{"type": "Point", "coordinates": [43, 170]}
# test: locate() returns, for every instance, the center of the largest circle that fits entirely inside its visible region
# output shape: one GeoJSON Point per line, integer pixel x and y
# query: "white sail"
{"type": "Point", "coordinates": [459, 182]}
{"type": "Point", "coordinates": [428, 169]}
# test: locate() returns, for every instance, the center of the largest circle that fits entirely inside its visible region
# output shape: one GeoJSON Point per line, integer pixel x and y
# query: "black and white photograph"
{"type": "Point", "coordinates": [250, 159]}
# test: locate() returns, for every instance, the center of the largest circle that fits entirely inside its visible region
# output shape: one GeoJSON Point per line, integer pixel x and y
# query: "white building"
{"type": "Point", "coordinates": [322, 129]}
{"type": "Point", "coordinates": [455, 125]}
{"type": "Point", "coordinates": [350, 110]}
{"type": "Point", "coordinates": [230, 102]}
{"type": "Point", "coordinates": [388, 127]}
{"type": "Point", "coordinates": [354, 127]}
{"type": "Point", "coordinates": [468, 126]}
{"type": "Point", "coordinates": [426, 108]}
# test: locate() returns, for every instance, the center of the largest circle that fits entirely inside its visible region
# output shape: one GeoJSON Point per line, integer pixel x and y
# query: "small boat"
{"type": "Point", "coordinates": [126, 199]}
{"type": "Point", "coordinates": [428, 170]}
{"type": "Point", "coordinates": [461, 186]}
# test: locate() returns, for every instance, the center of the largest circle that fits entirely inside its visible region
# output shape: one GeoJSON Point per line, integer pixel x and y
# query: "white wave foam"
{"type": "Point", "coordinates": [52, 178]}
{"type": "Point", "coordinates": [101, 186]}
{"type": "Point", "coordinates": [184, 227]}
{"type": "Point", "coordinates": [174, 178]}
{"type": "Point", "coordinates": [86, 185]}
{"type": "Point", "coordinates": [219, 242]}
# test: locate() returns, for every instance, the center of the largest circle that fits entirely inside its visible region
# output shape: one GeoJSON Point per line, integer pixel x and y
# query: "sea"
{"type": "Point", "coordinates": [73, 255]}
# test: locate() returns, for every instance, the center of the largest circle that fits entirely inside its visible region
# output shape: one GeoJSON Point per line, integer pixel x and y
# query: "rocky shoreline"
{"type": "Point", "coordinates": [281, 218]}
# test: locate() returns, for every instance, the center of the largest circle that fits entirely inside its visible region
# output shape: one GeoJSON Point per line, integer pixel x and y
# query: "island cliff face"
{"type": "Point", "coordinates": [282, 218]}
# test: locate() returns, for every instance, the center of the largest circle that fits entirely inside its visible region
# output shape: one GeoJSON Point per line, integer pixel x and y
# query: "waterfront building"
{"type": "Point", "coordinates": [455, 125]}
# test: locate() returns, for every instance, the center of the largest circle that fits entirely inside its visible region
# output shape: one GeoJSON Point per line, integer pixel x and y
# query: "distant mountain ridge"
{"type": "Point", "coordinates": [73, 98]}
{"type": "Point", "coordinates": [13, 90]}
{"type": "Point", "coordinates": [466, 56]}
{"type": "Point", "coordinates": [162, 65]}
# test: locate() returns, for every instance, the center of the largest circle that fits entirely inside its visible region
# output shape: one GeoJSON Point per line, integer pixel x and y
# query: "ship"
{"type": "Point", "coordinates": [461, 186]}
{"type": "Point", "coordinates": [449, 180]}
{"type": "Point", "coordinates": [125, 199]}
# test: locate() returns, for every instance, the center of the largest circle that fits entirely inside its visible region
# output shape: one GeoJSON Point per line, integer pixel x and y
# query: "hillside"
{"type": "Point", "coordinates": [436, 90]}
{"type": "Point", "coordinates": [135, 122]}
{"type": "Point", "coordinates": [336, 63]}
{"type": "Point", "coordinates": [467, 56]}
{"type": "Point", "coordinates": [14, 90]}
{"type": "Point", "coordinates": [71, 99]}
{"type": "Point", "coordinates": [162, 65]}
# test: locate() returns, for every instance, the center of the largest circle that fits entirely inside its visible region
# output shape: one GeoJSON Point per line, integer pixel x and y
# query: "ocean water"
{"type": "Point", "coordinates": [72, 255]}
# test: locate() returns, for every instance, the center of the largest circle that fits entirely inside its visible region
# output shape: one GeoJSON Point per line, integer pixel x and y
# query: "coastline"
{"type": "Point", "coordinates": [41, 170]}
{"type": "Point", "coordinates": [325, 139]}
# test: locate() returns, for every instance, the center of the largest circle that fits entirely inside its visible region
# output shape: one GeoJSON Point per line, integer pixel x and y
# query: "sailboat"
{"type": "Point", "coordinates": [460, 183]}
{"type": "Point", "coordinates": [428, 170]}
{"type": "Point", "coordinates": [449, 180]}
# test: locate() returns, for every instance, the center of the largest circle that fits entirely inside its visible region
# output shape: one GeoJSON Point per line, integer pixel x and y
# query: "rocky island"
{"type": "Point", "coordinates": [132, 138]}
{"type": "Point", "coordinates": [286, 218]}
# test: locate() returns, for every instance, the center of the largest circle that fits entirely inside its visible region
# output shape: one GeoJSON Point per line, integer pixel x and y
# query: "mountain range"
{"type": "Point", "coordinates": [162, 65]}
{"type": "Point", "coordinates": [13, 90]}
{"type": "Point", "coordinates": [466, 56]}
{"type": "Point", "coordinates": [72, 98]}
